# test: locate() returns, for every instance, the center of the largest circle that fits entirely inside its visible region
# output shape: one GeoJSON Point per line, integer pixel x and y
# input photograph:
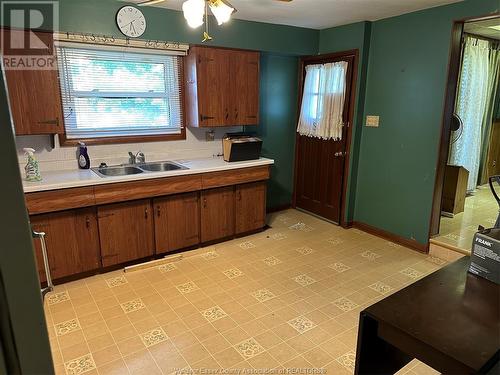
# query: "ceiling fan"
{"type": "Point", "coordinates": [196, 12]}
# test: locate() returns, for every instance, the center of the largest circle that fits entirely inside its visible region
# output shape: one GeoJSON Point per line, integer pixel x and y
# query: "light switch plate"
{"type": "Point", "coordinates": [372, 121]}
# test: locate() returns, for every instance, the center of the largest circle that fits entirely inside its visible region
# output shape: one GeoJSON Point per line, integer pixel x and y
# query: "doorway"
{"type": "Point", "coordinates": [471, 136]}
{"type": "Point", "coordinates": [321, 162]}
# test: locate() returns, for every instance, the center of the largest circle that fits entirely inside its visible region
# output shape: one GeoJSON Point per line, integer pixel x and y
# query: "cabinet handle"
{"type": "Point", "coordinates": [204, 202]}
{"type": "Point", "coordinates": [203, 117]}
{"type": "Point", "coordinates": [239, 195]}
{"type": "Point", "coordinates": [146, 213]}
{"type": "Point", "coordinates": [49, 122]}
{"type": "Point", "coordinates": [158, 213]}
{"type": "Point", "coordinates": [227, 114]}
{"type": "Point", "coordinates": [87, 222]}
{"type": "Point", "coordinates": [236, 114]}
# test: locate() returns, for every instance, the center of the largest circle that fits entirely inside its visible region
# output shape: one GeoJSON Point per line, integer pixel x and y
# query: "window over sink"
{"type": "Point", "coordinates": [117, 93]}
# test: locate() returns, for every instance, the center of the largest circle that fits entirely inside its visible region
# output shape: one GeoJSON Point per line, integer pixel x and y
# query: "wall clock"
{"type": "Point", "coordinates": [131, 21]}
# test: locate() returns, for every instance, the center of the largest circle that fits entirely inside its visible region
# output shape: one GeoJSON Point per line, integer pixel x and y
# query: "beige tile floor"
{"type": "Point", "coordinates": [288, 297]}
{"type": "Point", "coordinates": [480, 209]}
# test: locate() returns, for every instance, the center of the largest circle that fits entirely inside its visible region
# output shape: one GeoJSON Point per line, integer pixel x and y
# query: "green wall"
{"type": "Point", "coordinates": [98, 16]}
{"type": "Point", "coordinates": [343, 38]}
{"type": "Point", "coordinates": [278, 117]}
{"type": "Point", "coordinates": [407, 75]}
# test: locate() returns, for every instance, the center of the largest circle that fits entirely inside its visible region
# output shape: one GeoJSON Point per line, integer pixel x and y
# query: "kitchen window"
{"type": "Point", "coordinates": [119, 94]}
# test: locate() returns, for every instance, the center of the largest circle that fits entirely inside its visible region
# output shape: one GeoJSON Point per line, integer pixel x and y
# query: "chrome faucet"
{"type": "Point", "coordinates": [138, 158]}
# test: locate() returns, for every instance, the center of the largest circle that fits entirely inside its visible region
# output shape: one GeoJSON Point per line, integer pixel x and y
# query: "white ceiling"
{"type": "Point", "coordinates": [319, 14]}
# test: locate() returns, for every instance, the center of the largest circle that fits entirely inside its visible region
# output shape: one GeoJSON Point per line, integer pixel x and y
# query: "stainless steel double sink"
{"type": "Point", "coordinates": [131, 169]}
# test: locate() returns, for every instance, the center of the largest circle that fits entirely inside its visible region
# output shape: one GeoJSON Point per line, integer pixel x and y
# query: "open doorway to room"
{"type": "Point", "coordinates": [467, 201]}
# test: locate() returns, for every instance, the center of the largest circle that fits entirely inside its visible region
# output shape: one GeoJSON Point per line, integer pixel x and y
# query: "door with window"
{"type": "Point", "coordinates": [323, 134]}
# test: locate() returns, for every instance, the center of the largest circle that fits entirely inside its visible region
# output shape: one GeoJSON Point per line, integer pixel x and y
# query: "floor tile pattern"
{"type": "Point", "coordinates": [67, 327]}
{"type": "Point", "coordinates": [191, 315]}
{"type": "Point", "coordinates": [480, 209]}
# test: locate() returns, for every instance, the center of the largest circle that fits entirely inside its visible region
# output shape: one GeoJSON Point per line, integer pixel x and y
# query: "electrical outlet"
{"type": "Point", "coordinates": [372, 121]}
{"type": "Point", "coordinates": [210, 135]}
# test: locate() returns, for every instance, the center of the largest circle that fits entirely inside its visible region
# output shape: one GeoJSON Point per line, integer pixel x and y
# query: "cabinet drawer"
{"type": "Point", "coordinates": [238, 176]}
{"type": "Point", "coordinates": [127, 191]}
{"type": "Point", "coordinates": [59, 200]}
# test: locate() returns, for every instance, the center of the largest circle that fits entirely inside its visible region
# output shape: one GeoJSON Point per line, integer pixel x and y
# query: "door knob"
{"type": "Point", "coordinates": [339, 154]}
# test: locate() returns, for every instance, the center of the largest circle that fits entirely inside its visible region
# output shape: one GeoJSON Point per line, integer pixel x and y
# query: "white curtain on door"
{"type": "Point", "coordinates": [470, 106]}
{"type": "Point", "coordinates": [321, 113]}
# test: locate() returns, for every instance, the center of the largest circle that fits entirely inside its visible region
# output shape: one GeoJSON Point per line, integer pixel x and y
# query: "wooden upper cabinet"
{"type": "Point", "coordinates": [222, 87]}
{"type": "Point", "coordinates": [177, 222]}
{"type": "Point", "coordinates": [126, 231]}
{"type": "Point", "coordinates": [34, 95]}
{"type": "Point", "coordinates": [244, 72]}
{"type": "Point", "coordinates": [250, 207]}
{"type": "Point", "coordinates": [72, 240]}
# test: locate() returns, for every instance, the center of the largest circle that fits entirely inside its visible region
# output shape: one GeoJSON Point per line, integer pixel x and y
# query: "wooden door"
{"type": "Point", "coordinates": [217, 213]}
{"type": "Point", "coordinates": [320, 164]}
{"type": "Point", "coordinates": [245, 87]}
{"type": "Point", "coordinates": [214, 92]}
{"type": "Point", "coordinates": [34, 94]}
{"type": "Point", "coordinates": [177, 222]}
{"type": "Point", "coordinates": [250, 207]}
{"type": "Point", "coordinates": [72, 240]}
{"type": "Point", "coordinates": [126, 231]}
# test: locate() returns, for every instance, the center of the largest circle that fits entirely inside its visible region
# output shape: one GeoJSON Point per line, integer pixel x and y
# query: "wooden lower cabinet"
{"type": "Point", "coordinates": [177, 222]}
{"type": "Point", "coordinates": [250, 207]}
{"type": "Point", "coordinates": [126, 231]}
{"type": "Point", "coordinates": [72, 240]}
{"type": "Point", "coordinates": [217, 213]}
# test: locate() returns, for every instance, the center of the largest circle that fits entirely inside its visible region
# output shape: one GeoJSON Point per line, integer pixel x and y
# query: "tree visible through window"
{"type": "Point", "coordinates": [113, 93]}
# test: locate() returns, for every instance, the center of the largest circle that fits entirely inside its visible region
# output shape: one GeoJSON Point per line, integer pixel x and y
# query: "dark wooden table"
{"type": "Point", "coordinates": [448, 320]}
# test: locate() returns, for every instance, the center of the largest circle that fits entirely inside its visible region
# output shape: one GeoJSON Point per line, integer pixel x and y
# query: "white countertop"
{"type": "Point", "coordinates": [84, 177]}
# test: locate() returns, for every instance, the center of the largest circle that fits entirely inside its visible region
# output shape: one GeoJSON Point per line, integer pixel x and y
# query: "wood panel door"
{"type": "Point", "coordinates": [217, 213]}
{"type": "Point", "coordinates": [177, 222]}
{"type": "Point", "coordinates": [245, 87]}
{"type": "Point", "coordinates": [34, 94]}
{"type": "Point", "coordinates": [250, 207]}
{"type": "Point", "coordinates": [126, 231]}
{"type": "Point", "coordinates": [214, 92]}
{"type": "Point", "coordinates": [72, 240]}
{"type": "Point", "coordinates": [320, 164]}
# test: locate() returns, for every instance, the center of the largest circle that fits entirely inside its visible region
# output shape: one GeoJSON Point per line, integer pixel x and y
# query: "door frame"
{"type": "Point", "coordinates": [352, 56]}
{"type": "Point", "coordinates": [449, 106]}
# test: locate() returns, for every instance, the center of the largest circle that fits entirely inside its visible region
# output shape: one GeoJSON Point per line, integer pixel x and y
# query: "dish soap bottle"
{"type": "Point", "coordinates": [32, 169]}
{"type": "Point", "coordinates": [83, 156]}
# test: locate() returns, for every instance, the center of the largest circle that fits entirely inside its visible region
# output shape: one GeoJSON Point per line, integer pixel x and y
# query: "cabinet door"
{"type": "Point", "coordinates": [34, 95]}
{"type": "Point", "coordinates": [213, 87]}
{"type": "Point", "coordinates": [72, 240]}
{"type": "Point", "coordinates": [217, 213]}
{"type": "Point", "coordinates": [126, 231]}
{"type": "Point", "coordinates": [177, 222]}
{"type": "Point", "coordinates": [250, 206]}
{"type": "Point", "coordinates": [245, 87]}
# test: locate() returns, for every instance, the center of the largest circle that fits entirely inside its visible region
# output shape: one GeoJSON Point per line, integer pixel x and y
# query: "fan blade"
{"type": "Point", "coordinates": [149, 2]}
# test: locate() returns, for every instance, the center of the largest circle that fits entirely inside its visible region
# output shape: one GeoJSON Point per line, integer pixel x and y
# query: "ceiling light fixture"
{"type": "Point", "coordinates": [195, 10]}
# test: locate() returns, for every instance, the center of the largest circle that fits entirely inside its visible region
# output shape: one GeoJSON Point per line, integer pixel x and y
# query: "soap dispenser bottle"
{"type": "Point", "coordinates": [83, 156]}
{"type": "Point", "coordinates": [32, 169]}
